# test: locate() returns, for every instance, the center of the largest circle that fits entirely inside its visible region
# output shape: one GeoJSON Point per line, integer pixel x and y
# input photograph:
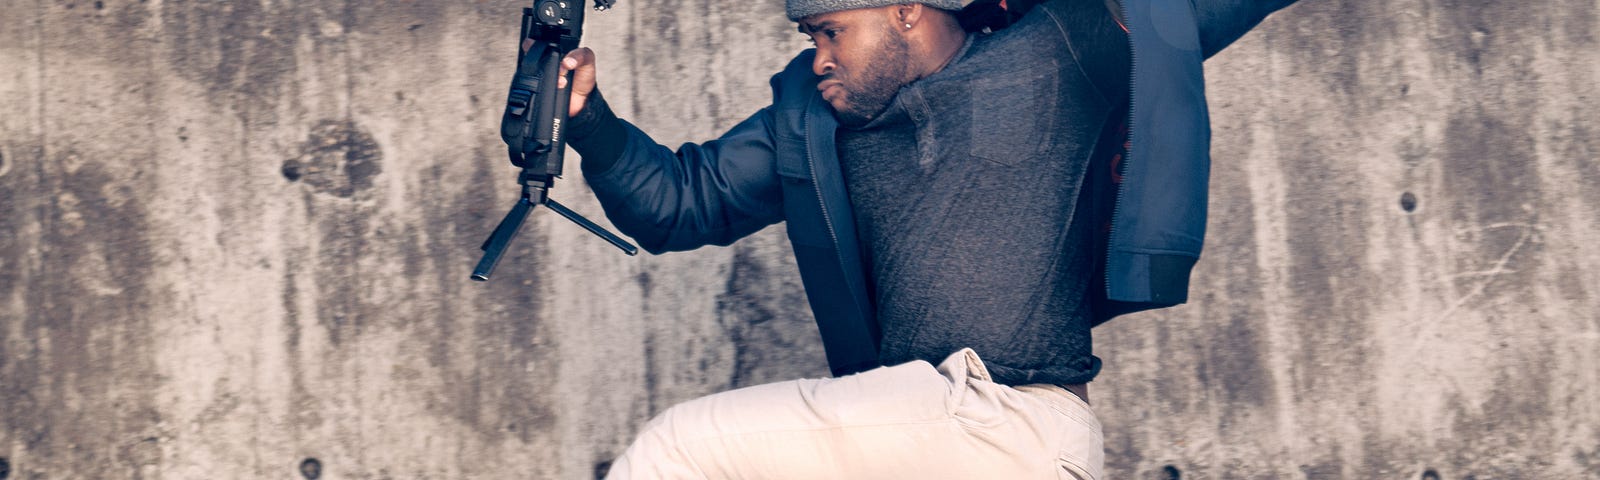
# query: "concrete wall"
{"type": "Point", "coordinates": [235, 238]}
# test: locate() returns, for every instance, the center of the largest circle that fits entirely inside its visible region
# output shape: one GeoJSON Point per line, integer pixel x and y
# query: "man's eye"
{"type": "Point", "coordinates": [831, 33]}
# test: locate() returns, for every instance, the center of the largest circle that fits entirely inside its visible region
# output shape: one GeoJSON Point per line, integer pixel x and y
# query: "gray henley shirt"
{"type": "Point", "coordinates": [979, 217]}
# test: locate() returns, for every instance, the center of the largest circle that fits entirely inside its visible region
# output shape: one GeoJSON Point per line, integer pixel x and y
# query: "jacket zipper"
{"type": "Point", "coordinates": [816, 186]}
{"type": "Point", "coordinates": [1127, 154]}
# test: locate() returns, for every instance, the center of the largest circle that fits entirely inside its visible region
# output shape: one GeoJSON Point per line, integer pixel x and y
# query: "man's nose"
{"type": "Point", "coordinates": [823, 63]}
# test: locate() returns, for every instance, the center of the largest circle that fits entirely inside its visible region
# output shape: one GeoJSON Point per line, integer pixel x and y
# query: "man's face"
{"type": "Point", "coordinates": [862, 59]}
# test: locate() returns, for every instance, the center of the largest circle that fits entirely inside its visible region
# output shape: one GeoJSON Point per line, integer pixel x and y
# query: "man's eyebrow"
{"type": "Point", "coordinates": [807, 29]}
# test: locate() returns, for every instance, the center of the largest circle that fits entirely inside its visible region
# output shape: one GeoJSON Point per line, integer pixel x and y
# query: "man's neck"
{"type": "Point", "coordinates": [950, 55]}
{"type": "Point", "coordinates": [943, 42]}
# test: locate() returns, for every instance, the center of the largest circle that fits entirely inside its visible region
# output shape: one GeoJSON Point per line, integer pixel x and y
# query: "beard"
{"type": "Point", "coordinates": [868, 92]}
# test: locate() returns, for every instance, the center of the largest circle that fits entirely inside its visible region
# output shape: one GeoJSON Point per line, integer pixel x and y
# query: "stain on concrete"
{"type": "Point", "coordinates": [1514, 418]}
{"type": "Point", "coordinates": [145, 452]}
{"type": "Point", "coordinates": [1123, 454]}
{"type": "Point", "coordinates": [306, 415]}
{"type": "Point", "coordinates": [643, 279]}
{"type": "Point", "coordinates": [1490, 37]}
{"type": "Point", "coordinates": [338, 158]}
{"type": "Point", "coordinates": [1243, 378]}
{"type": "Point", "coordinates": [86, 370]}
{"type": "Point", "coordinates": [1321, 471]}
{"type": "Point", "coordinates": [652, 378]}
{"type": "Point", "coordinates": [1327, 273]}
{"type": "Point", "coordinates": [19, 206]}
{"type": "Point", "coordinates": [341, 308]}
{"type": "Point", "coordinates": [1486, 152]}
{"type": "Point", "coordinates": [497, 324]}
{"type": "Point", "coordinates": [764, 313]}
{"type": "Point", "coordinates": [238, 50]}
{"type": "Point", "coordinates": [1235, 366]}
{"type": "Point", "coordinates": [1587, 459]}
{"type": "Point", "coordinates": [1337, 46]}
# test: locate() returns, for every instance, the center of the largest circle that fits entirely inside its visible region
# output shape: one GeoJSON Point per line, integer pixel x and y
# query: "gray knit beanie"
{"type": "Point", "coordinates": [798, 9]}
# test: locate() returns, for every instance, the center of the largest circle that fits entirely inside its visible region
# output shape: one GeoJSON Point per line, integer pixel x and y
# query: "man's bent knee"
{"type": "Point", "coordinates": [657, 452]}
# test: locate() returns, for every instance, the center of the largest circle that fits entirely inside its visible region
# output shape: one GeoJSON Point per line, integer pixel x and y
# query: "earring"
{"type": "Point", "coordinates": [908, 26]}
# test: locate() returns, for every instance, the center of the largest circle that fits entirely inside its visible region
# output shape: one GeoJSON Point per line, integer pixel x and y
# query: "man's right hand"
{"type": "Point", "coordinates": [580, 61]}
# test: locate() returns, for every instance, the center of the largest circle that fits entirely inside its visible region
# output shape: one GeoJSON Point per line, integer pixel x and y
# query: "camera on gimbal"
{"type": "Point", "coordinates": [532, 125]}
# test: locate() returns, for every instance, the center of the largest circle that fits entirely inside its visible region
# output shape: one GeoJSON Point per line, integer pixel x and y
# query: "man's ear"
{"type": "Point", "coordinates": [906, 14]}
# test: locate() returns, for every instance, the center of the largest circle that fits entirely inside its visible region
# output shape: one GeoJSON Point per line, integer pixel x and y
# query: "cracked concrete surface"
{"type": "Point", "coordinates": [235, 239]}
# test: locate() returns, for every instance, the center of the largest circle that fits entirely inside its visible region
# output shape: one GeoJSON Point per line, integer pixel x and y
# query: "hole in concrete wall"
{"type": "Point", "coordinates": [1171, 472]}
{"type": "Point", "coordinates": [601, 469]}
{"type": "Point", "coordinates": [1408, 202]}
{"type": "Point", "coordinates": [5, 468]}
{"type": "Point", "coordinates": [311, 468]}
{"type": "Point", "coordinates": [1430, 474]}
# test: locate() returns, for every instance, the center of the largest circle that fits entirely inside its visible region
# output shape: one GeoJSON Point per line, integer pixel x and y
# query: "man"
{"type": "Point", "coordinates": [953, 199]}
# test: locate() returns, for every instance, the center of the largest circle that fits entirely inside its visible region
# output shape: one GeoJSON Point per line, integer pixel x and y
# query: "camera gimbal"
{"type": "Point", "coordinates": [532, 124]}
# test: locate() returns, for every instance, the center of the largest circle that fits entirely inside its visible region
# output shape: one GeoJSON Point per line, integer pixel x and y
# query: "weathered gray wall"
{"type": "Point", "coordinates": [236, 235]}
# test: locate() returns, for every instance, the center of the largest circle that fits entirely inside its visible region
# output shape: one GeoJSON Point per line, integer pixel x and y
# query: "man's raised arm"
{"type": "Point", "coordinates": [1223, 21]}
{"type": "Point", "coordinates": [709, 193]}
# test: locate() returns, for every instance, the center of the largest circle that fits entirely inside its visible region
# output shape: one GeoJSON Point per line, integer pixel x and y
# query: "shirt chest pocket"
{"type": "Point", "coordinates": [1013, 115]}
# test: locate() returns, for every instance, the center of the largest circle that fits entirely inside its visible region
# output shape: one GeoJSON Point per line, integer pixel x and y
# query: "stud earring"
{"type": "Point", "coordinates": [908, 26]}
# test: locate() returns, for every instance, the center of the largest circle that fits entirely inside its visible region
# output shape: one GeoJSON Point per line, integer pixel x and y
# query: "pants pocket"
{"type": "Point", "coordinates": [1068, 469]}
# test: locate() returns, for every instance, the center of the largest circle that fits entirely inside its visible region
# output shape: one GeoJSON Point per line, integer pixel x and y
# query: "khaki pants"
{"type": "Point", "coordinates": [911, 421]}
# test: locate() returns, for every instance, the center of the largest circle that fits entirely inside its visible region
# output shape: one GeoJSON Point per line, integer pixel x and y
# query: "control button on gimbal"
{"type": "Point", "coordinates": [553, 12]}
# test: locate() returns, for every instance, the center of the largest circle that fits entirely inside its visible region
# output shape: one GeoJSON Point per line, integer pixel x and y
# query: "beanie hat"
{"type": "Point", "coordinates": [798, 9]}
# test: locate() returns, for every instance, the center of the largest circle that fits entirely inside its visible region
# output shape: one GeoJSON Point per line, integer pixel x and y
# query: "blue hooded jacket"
{"type": "Point", "coordinates": [781, 164]}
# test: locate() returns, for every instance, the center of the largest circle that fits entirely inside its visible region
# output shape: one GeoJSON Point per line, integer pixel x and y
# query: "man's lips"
{"type": "Point", "coordinates": [828, 85]}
